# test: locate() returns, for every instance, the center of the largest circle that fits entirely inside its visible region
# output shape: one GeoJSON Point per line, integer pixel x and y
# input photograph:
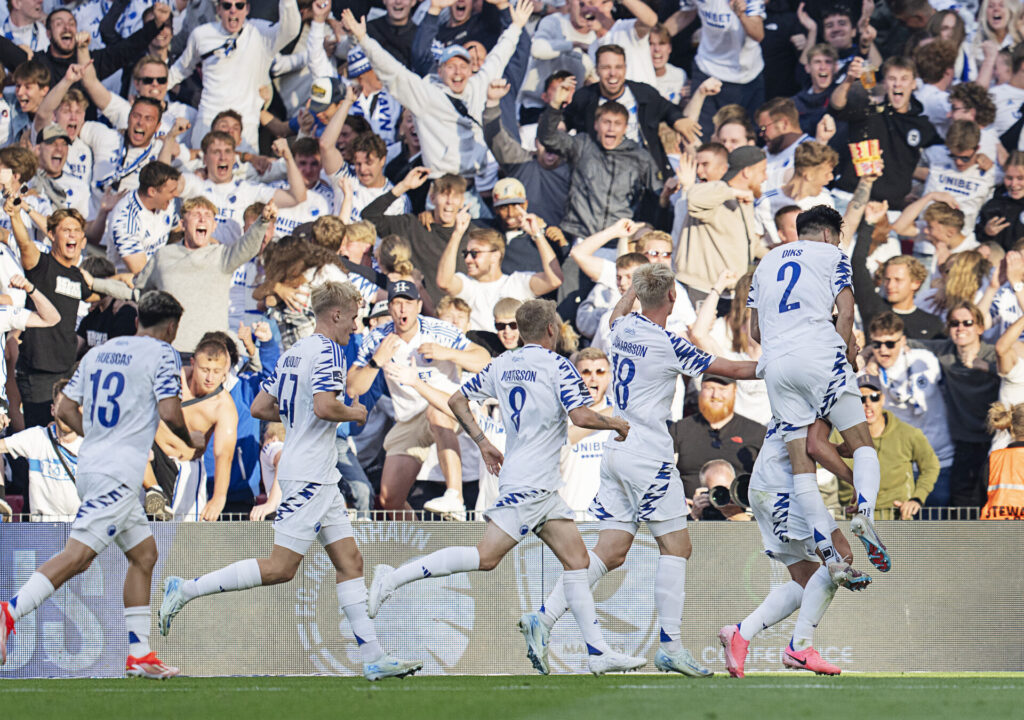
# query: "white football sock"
{"type": "Point", "coordinates": [136, 619]}
{"type": "Point", "coordinates": [806, 493]}
{"type": "Point", "coordinates": [555, 605]}
{"type": "Point", "coordinates": [866, 479]}
{"type": "Point", "coordinates": [669, 596]}
{"type": "Point", "coordinates": [31, 595]}
{"type": "Point", "coordinates": [816, 598]}
{"type": "Point", "coordinates": [352, 601]}
{"type": "Point", "coordinates": [779, 605]}
{"type": "Point", "coordinates": [241, 575]}
{"type": "Point", "coordinates": [581, 601]}
{"type": "Point", "coordinates": [437, 564]}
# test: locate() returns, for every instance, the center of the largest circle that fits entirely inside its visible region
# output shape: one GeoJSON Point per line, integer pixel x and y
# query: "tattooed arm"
{"type": "Point", "coordinates": [855, 210]}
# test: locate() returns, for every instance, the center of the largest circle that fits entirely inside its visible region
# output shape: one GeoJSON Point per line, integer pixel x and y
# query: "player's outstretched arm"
{"type": "Point", "coordinates": [70, 413]}
{"type": "Point", "coordinates": [170, 412]}
{"type": "Point", "coordinates": [264, 407]}
{"type": "Point", "coordinates": [585, 417]}
{"type": "Point", "coordinates": [459, 405]}
{"type": "Point", "coordinates": [624, 306]}
{"type": "Point", "coordinates": [736, 369]}
{"type": "Point", "coordinates": [328, 406]}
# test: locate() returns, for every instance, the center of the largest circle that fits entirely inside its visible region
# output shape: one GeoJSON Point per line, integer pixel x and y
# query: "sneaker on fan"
{"type": "Point", "coordinates": [448, 505]}
{"type": "Point", "coordinates": [149, 666]}
{"type": "Point", "coordinates": [808, 659]}
{"type": "Point", "coordinates": [862, 527]}
{"type": "Point", "coordinates": [6, 630]}
{"type": "Point", "coordinates": [735, 649]}
{"type": "Point", "coordinates": [614, 662]}
{"type": "Point", "coordinates": [157, 506]}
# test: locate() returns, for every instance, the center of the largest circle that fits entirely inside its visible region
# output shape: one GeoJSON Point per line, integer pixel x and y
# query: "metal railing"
{"type": "Point", "coordinates": [926, 514]}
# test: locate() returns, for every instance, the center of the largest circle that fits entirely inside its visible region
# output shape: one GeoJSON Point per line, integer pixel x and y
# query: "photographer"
{"type": "Point", "coordinates": [713, 500]}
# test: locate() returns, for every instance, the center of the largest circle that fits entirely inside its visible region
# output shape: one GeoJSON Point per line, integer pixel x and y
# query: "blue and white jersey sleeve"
{"type": "Point", "coordinates": [572, 391]}
{"type": "Point", "coordinates": [167, 377]}
{"type": "Point", "coordinates": [444, 333]}
{"type": "Point", "coordinates": [272, 382]}
{"type": "Point", "coordinates": [842, 273]}
{"type": "Point", "coordinates": [752, 295]}
{"type": "Point", "coordinates": [126, 230]}
{"type": "Point", "coordinates": [482, 385]}
{"type": "Point", "coordinates": [755, 8]}
{"type": "Point", "coordinates": [692, 360]}
{"type": "Point", "coordinates": [327, 373]}
{"type": "Point", "coordinates": [370, 345]}
{"type": "Point", "coordinates": [75, 389]}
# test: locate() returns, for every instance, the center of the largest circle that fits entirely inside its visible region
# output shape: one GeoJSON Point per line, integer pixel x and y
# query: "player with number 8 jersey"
{"type": "Point", "coordinates": [639, 479]}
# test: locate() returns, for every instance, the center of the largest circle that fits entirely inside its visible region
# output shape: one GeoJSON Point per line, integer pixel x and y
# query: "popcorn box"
{"type": "Point", "coordinates": [867, 157]}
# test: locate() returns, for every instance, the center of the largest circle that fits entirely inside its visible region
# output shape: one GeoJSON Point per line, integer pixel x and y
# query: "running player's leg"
{"type": "Point", "coordinates": [847, 415]}
{"type": "Point", "coordinates": [74, 559]}
{"type": "Point", "coordinates": [486, 555]}
{"type": "Point", "coordinates": [140, 551]}
{"type": "Point", "coordinates": [295, 528]}
{"type": "Point", "coordinates": [670, 594]}
{"type": "Point", "coordinates": [562, 536]}
{"type": "Point", "coordinates": [817, 596]}
{"type": "Point", "coordinates": [807, 495]}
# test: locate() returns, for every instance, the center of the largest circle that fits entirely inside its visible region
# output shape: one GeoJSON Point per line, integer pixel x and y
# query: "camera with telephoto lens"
{"type": "Point", "coordinates": [735, 494]}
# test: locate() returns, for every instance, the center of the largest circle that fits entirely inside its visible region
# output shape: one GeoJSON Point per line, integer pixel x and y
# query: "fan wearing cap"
{"type": "Point", "coordinates": [463, 27]}
{"type": "Point", "coordinates": [511, 207]}
{"type": "Point", "coordinates": [544, 174]}
{"type": "Point", "coordinates": [720, 232]}
{"type": "Point", "coordinates": [909, 464]}
{"type": "Point", "coordinates": [52, 143]}
{"type": "Point", "coordinates": [715, 431]}
{"type": "Point", "coordinates": [235, 55]}
{"type": "Point", "coordinates": [448, 105]}
{"type": "Point", "coordinates": [438, 349]}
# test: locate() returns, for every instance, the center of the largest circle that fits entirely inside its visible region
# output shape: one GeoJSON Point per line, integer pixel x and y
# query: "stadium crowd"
{"type": "Point", "coordinates": [455, 158]}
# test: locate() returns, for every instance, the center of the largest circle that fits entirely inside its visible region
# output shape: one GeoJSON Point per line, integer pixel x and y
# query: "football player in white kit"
{"type": "Point", "coordinates": [788, 538]}
{"type": "Point", "coordinates": [807, 363]}
{"type": "Point", "coordinates": [639, 479]}
{"type": "Point", "coordinates": [307, 393]}
{"type": "Point", "coordinates": [539, 391]}
{"type": "Point", "coordinates": [118, 394]}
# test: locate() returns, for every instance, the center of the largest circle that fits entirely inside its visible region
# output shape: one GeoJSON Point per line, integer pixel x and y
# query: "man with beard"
{"type": "Point", "coordinates": [715, 432]}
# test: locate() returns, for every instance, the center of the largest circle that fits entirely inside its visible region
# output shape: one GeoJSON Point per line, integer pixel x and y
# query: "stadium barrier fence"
{"type": "Point", "coordinates": [951, 603]}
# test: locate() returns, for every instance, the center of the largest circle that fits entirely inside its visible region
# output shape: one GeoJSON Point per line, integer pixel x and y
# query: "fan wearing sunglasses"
{"type": "Point", "coordinates": [970, 382]}
{"type": "Point", "coordinates": [903, 452]}
{"type": "Point", "coordinates": [483, 283]}
{"type": "Point", "coordinates": [235, 55]}
{"type": "Point", "coordinates": [910, 379]}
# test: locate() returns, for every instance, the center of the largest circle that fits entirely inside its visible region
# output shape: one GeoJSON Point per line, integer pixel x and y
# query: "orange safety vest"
{"type": "Point", "coordinates": [1005, 485]}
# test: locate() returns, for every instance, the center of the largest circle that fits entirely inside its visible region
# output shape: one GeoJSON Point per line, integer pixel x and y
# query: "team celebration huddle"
{"type": "Point", "coordinates": [527, 262]}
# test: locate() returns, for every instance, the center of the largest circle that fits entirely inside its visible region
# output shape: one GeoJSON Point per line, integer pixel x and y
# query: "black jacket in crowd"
{"type": "Point", "coordinates": [1002, 205]}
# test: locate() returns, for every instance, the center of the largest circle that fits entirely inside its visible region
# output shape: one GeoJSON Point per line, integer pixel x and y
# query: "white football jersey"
{"type": "Point", "coordinates": [536, 390]}
{"type": "Point", "coordinates": [646, 359]}
{"type": "Point", "coordinates": [118, 384]}
{"type": "Point", "coordinates": [794, 290]}
{"type": "Point", "coordinates": [313, 365]}
{"type": "Point", "coordinates": [772, 470]}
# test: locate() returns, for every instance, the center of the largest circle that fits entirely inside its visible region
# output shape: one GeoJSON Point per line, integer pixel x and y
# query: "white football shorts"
{"type": "Point", "coordinates": [814, 383]}
{"type": "Point", "coordinates": [109, 516]}
{"type": "Point", "coordinates": [310, 511]}
{"type": "Point", "coordinates": [786, 534]}
{"type": "Point", "coordinates": [637, 489]}
{"type": "Point", "coordinates": [517, 513]}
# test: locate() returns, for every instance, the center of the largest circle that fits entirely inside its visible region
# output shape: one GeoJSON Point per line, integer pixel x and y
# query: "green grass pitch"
{"type": "Point", "coordinates": [629, 697]}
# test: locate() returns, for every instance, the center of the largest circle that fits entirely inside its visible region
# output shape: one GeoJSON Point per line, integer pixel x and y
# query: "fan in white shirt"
{"type": "Point", "coordinates": [235, 56]}
{"type": "Point", "coordinates": [581, 456]}
{"type": "Point", "coordinates": [141, 221]}
{"type": "Point", "coordinates": [813, 166]}
{"type": "Point", "coordinates": [955, 169]}
{"type": "Point", "coordinates": [668, 78]}
{"type": "Point", "coordinates": [935, 63]}
{"type": "Point", "coordinates": [232, 196]}
{"type": "Point", "coordinates": [633, 36]}
{"type": "Point", "coordinates": [363, 180]}
{"type": "Point", "coordinates": [485, 284]}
